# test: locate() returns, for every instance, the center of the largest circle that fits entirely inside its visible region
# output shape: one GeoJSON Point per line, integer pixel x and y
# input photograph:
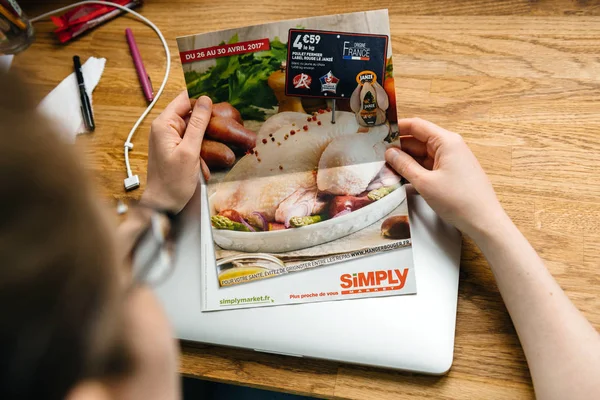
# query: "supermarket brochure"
{"type": "Point", "coordinates": [300, 205]}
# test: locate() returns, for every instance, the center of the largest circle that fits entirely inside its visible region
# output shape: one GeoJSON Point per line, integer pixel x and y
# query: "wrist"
{"type": "Point", "coordinates": [136, 221]}
{"type": "Point", "coordinates": [150, 199]}
{"type": "Point", "coordinates": [495, 227]}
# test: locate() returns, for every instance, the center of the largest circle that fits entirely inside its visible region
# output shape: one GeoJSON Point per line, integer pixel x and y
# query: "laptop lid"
{"type": "Point", "coordinates": [410, 332]}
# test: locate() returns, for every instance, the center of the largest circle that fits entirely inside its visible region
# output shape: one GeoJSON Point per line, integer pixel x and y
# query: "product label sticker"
{"type": "Point", "coordinates": [334, 60]}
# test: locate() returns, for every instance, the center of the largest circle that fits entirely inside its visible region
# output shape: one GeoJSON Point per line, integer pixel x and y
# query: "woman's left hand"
{"type": "Point", "coordinates": [174, 160]}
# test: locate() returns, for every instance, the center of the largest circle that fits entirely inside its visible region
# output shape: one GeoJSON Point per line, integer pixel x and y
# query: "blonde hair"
{"type": "Point", "coordinates": [56, 277]}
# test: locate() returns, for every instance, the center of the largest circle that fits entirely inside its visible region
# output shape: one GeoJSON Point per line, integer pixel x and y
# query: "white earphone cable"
{"type": "Point", "coordinates": [132, 181]}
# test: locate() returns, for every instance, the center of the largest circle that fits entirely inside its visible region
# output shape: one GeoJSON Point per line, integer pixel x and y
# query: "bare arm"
{"type": "Point", "coordinates": [561, 346]}
{"type": "Point", "coordinates": [174, 164]}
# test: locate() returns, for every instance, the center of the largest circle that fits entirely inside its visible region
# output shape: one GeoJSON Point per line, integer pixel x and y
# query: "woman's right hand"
{"type": "Point", "coordinates": [442, 168]}
{"type": "Point", "coordinates": [174, 162]}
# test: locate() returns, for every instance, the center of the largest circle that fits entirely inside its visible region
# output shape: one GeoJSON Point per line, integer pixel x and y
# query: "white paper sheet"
{"type": "Point", "coordinates": [63, 104]}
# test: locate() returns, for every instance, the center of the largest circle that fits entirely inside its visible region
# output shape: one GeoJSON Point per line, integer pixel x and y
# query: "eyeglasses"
{"type": "Point", "coordinates": [153, 253]}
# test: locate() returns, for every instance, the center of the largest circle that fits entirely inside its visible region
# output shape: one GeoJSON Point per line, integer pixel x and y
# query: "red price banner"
{"type": "Point", "coordinates": [224, 50]}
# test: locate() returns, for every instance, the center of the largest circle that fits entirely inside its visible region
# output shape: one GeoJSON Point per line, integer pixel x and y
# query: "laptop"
{"type": "Point", "coordinates": [410, 332]}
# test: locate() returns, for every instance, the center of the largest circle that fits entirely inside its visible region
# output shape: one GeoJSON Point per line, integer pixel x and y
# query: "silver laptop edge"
{"type": "Point", "coordinates": [410, 332]}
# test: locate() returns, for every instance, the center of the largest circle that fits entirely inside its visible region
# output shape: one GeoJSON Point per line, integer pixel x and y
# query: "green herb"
{"type": "Point", "coordinates": [240, 80]}
{"type": "Point", "coordinates": [389, 68]}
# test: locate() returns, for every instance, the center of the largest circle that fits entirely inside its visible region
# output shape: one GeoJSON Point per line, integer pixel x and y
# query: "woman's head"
{"type": "Point", "coordinates": [64, 318]}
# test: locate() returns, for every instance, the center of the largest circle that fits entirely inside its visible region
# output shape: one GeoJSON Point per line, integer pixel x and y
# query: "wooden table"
{"type": "Point", "coordinates": [519, 79]}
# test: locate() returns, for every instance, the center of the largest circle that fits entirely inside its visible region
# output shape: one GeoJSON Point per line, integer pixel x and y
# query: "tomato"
{"type": "Point", "coordinates": [390, 89]}
{"type": "Point", "coordinates": [232, 215]}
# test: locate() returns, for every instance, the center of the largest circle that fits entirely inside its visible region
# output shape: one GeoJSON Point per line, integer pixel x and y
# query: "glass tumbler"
{"type": "Point", "coordinates": [16, 31]}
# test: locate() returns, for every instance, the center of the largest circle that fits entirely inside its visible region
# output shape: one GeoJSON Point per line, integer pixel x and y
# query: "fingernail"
{"type": "Point", "coordinates": [204, 102]}
{"type": "Point", "coordinates": [391, 154]}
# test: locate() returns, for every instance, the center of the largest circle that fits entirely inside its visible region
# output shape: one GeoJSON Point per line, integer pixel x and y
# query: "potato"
{"type": "Point", "coordinates": [216, 155]}
{"type": "Point", "coordinates": [229, 131]}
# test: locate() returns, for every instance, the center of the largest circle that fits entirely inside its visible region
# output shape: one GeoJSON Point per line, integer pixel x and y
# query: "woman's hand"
{"type": "Point", "coordinates": [174, 160]}
{"type": "Point", "coordinates": [561, 346]}
{"type": "Point", "coordinates": [442, 168]}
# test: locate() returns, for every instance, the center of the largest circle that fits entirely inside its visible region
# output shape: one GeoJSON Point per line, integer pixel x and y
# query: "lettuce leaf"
{"type": "Point", "coordinates": [240, 80]}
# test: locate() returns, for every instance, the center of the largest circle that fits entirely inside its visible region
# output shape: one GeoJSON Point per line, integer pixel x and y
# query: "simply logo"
{"type": "Point", "coordinates": [302, 81]}
{"type": "Point", "coordinates": [329, 82]}
{"type": "Point", "coordinates": [373, 281]}
{"type": "Point", "coordinates": [357, 51]}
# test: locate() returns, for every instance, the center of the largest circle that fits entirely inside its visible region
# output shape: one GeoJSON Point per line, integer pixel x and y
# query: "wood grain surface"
{"type": "Point", "coordinates": [520, 80]}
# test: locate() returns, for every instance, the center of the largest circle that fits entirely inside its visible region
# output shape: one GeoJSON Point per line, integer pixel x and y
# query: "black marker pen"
{"type": "Point", "coordinates": [86, 106]}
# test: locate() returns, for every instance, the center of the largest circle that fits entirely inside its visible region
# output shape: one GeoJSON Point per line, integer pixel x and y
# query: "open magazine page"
{"type": "Point", "coordinates": [304, 111]}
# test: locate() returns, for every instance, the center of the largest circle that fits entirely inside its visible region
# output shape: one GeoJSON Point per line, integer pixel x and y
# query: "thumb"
{"type": "Point", "coordinates": [197, 124]}
{"type": "Point", "coordinates": [404, 164]}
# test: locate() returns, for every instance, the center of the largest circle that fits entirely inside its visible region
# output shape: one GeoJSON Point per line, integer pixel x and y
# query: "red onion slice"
{"type": "Point", "coordinates": [262, 219]}
{"type": "Point", "coordinates": [247, 225]}
{"type": "Point", "coordinates": [343, 212]}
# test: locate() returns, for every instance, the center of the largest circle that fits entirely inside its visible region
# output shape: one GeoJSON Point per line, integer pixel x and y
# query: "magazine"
{"type": "Point", "coordinates": [300, 205]}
